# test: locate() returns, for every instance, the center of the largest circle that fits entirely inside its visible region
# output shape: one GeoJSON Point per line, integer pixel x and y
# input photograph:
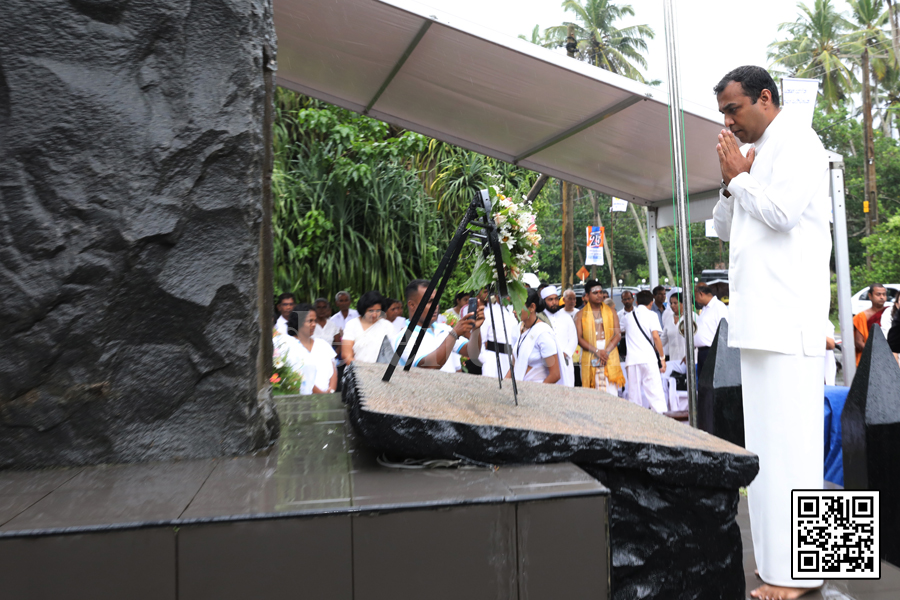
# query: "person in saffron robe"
{"type": "Point", "coordinates": [865, 320]}
{"type": "Point", "coordinates": [598, 335]}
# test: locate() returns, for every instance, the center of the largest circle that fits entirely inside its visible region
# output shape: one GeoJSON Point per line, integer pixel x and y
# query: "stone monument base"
{"type": "Point", "coordinates": [674, 490]}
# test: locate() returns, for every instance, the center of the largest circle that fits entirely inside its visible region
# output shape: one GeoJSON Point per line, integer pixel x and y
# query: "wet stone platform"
{"type": "Point", "coordinates": [314, 516]}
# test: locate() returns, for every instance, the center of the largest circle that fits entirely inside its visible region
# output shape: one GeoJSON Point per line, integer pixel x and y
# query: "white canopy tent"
{"type": "Point", "coordinates": [414, 67]}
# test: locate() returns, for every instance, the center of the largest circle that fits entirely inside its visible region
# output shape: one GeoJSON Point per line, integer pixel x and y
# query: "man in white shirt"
{"type": "Point", "coordinates": [674, 347]}
{"type": "Point", "coordinates": [284, 308]}
{"type": "Point", "coordinates": [344, 313]}
{"type": "Point", "coordinates": [440, 341]}
{"type": "Point", "coordinates": [325, 329]}
{"type": "Point", "coordinates": [564, 329]}
{"type": "Point", "coordinates": [628, 303]}
{"type": "Point", "coordinates": [507, 328]}
{"type": "Point", "coordinates": [714, 310]}
{"type": "Point", "coordinates": [642, 371]}
{"type": "Point", "coordinates": [570, 299]}
{"type": "Point", "coordinates": [773, 209]}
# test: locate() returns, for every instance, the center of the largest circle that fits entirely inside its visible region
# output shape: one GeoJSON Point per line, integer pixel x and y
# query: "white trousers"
{"type": "Point", "coordinates": [784, 397]}
{"type": "Point", "coordinates": [645, 387]}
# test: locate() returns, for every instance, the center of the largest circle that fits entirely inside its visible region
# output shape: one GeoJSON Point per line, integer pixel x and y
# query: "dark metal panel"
{"type": "Point", "coordinates": [445, 554]}
{"type": "Point", "coordinates": [563, 549]}
{"type": "Point", "coordinates": [136, 564]}
{"type": "Point", "coordinates": [276, 558]}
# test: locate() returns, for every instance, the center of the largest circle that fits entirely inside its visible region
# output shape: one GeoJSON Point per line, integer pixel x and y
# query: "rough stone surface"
{"type": "Point", "coordinates": [674, 489]}
{"type": "Point", "coordinates": [870, 436]}
{"type": "Point", "coordinates": [720, 404]}
{"type": "Point", "coordinates": [425, 413]}
{"type": "Point", "coordinates": [131, 199]}
{"type": "Point", "coordinates": [671, 541]}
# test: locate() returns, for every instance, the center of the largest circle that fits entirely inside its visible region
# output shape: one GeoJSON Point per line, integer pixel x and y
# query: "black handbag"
{"type": "Point", "coordinates": [623, 348]}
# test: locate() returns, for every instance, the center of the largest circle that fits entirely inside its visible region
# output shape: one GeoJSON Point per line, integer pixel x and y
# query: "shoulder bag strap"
{"type": "Point", "coordinates": [652, 345]}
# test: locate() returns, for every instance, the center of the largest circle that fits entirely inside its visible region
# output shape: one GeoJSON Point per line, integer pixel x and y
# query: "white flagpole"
{"type": "Point", "coordinates": [681, 218]}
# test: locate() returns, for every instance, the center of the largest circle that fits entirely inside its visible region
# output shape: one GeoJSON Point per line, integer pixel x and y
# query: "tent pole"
{"type": "Point", "coordinates": [842, 268]}
{"type": "Point", "coordinates": [681, 214]}
{"type": "Point", "coordinates": [652, 252]}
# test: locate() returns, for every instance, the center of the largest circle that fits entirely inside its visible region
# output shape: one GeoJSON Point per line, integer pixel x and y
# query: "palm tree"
{"type": "Point", "coordinates": [814, 50]}
{"type": "Point", "coordinates": [599, 41]}
{"type": "Point", "coordinates": [872, 45]}
{"type": "Point", "coordinates": [536, 37]}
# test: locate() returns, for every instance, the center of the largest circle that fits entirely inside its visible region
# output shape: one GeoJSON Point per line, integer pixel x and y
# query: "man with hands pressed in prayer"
{"type": "Point", "coordinates": [773, 209]}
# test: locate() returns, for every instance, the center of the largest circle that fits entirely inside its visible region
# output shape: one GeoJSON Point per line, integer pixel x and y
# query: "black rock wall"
{"type": "Point", "coordinates": [132, 179]}
{"type": "Point", "coordinates": [671, 541]}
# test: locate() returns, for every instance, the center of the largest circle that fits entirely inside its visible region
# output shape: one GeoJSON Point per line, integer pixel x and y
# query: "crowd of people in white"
{"type": "Point", "coordinates": [637, 353]}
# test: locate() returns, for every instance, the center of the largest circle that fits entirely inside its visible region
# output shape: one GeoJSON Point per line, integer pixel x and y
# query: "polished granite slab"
{"type": "Point", "coordinates": [316, 467]}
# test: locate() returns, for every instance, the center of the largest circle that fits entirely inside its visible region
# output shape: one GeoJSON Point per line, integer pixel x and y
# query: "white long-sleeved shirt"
{"type": "Point", "coordinates": [708, 323]}
{"type": "Point", "coordinates": [776, 221]}
{"type": "Point", "coordinates": [566, 334]}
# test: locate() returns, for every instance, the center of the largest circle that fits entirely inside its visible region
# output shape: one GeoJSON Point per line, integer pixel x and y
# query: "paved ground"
{"type": "Point", "coordinates": [886, 588]}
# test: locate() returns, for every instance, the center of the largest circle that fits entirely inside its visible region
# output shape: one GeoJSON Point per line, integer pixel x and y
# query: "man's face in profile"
{"type": "Point", "coordinates": [746, 120]}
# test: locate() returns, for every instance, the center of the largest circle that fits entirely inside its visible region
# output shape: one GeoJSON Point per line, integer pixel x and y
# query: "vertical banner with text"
{"type": "Point", "coordinates": [594, 253]}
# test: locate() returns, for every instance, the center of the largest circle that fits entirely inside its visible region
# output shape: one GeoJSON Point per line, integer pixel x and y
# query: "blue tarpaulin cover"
{"type": "Point", "coordinates": [835, 397]}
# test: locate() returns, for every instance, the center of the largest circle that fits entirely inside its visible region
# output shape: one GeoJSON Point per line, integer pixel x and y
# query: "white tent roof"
{"type": "Point", "coordinates": [408, 65]}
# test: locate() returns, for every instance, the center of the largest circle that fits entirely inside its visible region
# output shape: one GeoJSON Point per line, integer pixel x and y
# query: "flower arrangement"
{"type": "Point", "coordinates": [284, 380]}
{"type": "Point", "coordinates": [519, 240]}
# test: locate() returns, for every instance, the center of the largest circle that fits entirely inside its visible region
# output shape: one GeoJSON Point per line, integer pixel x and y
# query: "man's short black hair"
{"type": "Point", "coordinates": [705, 289]}
{"type": "Point", "coordinates": [285, 296]}
{"type": "Point", "coordinates": [389, 302]}
{"type": "Point", "coordinates": [658, 289]}
{"type": "Point", "coordinates": [643, 298]}
{"type": "Point", "coordinates": [876, 285]}
{"type": "Point", "coordinates": [629, 292]}
{"type": "Point", "coordinates": [753, 81]}
{"type": "Point", "coordinates": [412, 288]}
{"type": "Point", "coordinates": [591, 284]}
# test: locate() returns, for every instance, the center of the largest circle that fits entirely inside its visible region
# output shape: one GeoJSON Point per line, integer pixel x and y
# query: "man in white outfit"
{"type": "Point", "coordinates": [497, 314]}
{"type": "Point", "coordinates": [564, 328]}
{"type": "Point", "coordinates": [773, 208]}
{"type": "Point", "coordinates": [642, 371]}
{"type": "Point", "coordinates": [714, 310]}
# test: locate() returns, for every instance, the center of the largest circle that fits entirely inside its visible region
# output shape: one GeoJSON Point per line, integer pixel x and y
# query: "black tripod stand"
{"type": "Point", "coordinates": [477, 224]}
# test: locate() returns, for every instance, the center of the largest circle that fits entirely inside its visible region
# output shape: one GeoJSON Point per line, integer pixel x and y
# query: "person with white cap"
{"type": "Point", "coordinates": [564, 329]}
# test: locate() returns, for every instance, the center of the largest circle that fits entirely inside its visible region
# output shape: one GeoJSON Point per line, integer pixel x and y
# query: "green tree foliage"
{"type": "Point", "coordinates": [347, 212]}
{"type": "Point", "coordinates": [600, 42]}
{"type": "Point", "coordinates": [815, 50]}
{"type": "Point", "coordinates": [359, 205]}
{"type": "Point", "coordinates": [884, 247]}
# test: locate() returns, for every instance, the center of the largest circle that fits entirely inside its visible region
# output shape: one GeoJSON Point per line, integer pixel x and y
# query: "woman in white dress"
{"type": "Point", "coordinates": [364, 335]}
{"type": "Point", "coordinates": [536, 352]}
{"type": "Point", "coordinates": [312, 357]}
